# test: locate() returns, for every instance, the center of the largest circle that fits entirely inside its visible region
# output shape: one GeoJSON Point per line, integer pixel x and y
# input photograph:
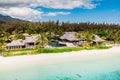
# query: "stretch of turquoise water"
{"type": "Point", "coordinates": [107, 68]}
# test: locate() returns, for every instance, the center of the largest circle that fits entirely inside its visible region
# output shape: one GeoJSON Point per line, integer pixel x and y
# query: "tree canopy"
{"type": "Point", "coordinates": [110, 32]}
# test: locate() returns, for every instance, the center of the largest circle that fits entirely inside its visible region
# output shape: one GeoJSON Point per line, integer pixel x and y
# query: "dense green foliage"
{"type": "Point", "coordinates": [110, 32]}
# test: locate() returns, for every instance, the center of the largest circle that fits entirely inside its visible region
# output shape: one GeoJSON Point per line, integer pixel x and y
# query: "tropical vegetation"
{"type": "Point", "coordinates": [49, 30]}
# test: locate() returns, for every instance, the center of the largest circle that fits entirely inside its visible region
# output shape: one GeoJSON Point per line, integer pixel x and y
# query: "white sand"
{"type": "Point", "coordinates": [21, 61]}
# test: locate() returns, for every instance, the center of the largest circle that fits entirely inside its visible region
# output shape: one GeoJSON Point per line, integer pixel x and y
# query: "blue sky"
{"type": "Point", "coordinates": [64, 10]}
{"type": "Point", "coordinates": [105, 11]}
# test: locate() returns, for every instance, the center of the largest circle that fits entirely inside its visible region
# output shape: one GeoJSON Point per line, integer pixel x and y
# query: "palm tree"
{"type": "Point", "coordinates": [3, 38]}
{"type": "Point", "coordinates": [41, 42]}
{"type": "Point", "coordinates": [2, 45]}
{"type": "Point", "coordinates": [84, 35]}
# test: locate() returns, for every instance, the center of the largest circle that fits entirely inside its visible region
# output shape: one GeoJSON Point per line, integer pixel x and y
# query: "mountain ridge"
{"type": "Point", "coordinates": [5, 18]}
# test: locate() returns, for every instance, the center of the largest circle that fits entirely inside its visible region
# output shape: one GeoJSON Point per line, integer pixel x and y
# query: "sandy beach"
{"type": "Point", "coordinates": [21, 61]}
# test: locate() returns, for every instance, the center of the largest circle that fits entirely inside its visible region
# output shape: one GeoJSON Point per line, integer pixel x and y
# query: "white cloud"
{"type": "Point", "coordinates": [21, 12]}
{"type": "Point", "coordinates": [59, 4]}
{"type": "Point", "coordinates": [66, 4]}
{"type": "Point", "coordinates": [23, 8]}
{"type": "Point", "coordinates": [56, 13]}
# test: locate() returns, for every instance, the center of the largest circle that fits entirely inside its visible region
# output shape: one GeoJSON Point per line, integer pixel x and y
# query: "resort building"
{"type": "Point", "coordinates": [70, 39]}
{"type": "Point", "coordinates": [16, 44]}
{"type": "Point", "coordinates": [98, 39]}
{"type": "Point", "coordinates": [29, 42]}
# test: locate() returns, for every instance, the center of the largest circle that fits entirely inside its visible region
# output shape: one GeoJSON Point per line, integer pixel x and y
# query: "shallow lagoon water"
{"type": "Point", "coordinates": [106, 68]}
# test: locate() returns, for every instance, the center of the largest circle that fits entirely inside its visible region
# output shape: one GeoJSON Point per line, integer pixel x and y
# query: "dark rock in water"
{"type": "Point", "coordinates": [78, 75]}
{"type": "Point", "coordinates": [64, 78]}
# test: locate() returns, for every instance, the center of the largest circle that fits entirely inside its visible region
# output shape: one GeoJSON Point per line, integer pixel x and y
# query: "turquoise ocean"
{"type": "Point", "coordinates": [106, 68]}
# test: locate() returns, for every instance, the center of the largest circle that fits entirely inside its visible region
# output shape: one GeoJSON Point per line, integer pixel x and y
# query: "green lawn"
{"type": "Point", "coordinates": [60, 50]}
{"type": "Point", "coordinates": [19, 52]}
{"type": "Point", "coordinates": [69, 49]}
{"type": "Point", "coordinates": [46, 50]}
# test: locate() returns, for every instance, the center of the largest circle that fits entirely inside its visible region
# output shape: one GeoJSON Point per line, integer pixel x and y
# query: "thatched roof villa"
{"type": "Point", "coordinates": [29, 42]}
{"type": "Point", "coordinates": [16, 44]}
{"type": "Point", "coordinates": [69, 37]}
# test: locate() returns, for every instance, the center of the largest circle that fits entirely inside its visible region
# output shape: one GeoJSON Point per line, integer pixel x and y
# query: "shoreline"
{"type": "Point", "coordinates": [44, 59]}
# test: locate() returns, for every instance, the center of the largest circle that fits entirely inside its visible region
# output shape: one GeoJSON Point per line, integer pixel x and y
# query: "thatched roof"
{"type": "Point", "coordinates": [70, 36]}
{"type": "Point", "coordinates": [16, 43]}
{"type": "Point", "coordinates": [21, 42]}
{"type": "Point", "coordinates": [98, 39]}
{"type": "Point", "coordinates": [31, 39]}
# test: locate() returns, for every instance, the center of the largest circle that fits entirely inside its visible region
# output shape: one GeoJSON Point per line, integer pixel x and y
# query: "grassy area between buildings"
{"type": "Point", "coordinates": [49, 50]}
